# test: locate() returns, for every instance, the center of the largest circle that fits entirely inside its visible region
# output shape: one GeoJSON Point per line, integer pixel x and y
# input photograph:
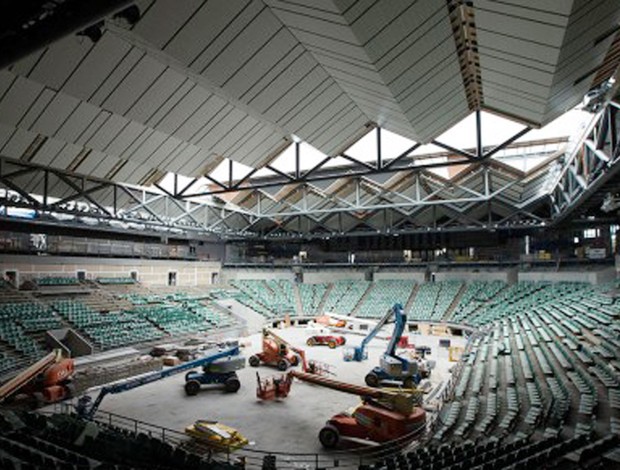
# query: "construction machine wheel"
{"type": "Point", "coordinates": [192, 387]}
{"type": "Point", "coordinates": [254, 361]}
{"type": "Point", "coordinates": [232, 384]}
{"type": "Point", "coordinates": [408, 383]}
{"type": "Point", "coordinates": [372, 379]}
{"type": "Point", "coordinates": [329, 437]}
{"type": "Point", "coordinates": [70, 389]}
{"type": "Point", "coordinates": [344, 340]}
{"type": "Point", "coordinates": [283, 364]}
{"type": "Point", "coordinates": [38, 400]}
{"type": "Point", "coordinates": [310, 342]}
{"type": "Point", "coordinates": [332, 344]}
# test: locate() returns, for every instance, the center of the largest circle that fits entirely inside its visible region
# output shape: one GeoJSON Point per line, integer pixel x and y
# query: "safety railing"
{"type": "Point", "coordinates": [257, 458]}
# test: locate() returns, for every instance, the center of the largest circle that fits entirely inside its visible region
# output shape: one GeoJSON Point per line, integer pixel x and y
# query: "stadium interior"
{"type": "Point", "coordinates": [366, 234]}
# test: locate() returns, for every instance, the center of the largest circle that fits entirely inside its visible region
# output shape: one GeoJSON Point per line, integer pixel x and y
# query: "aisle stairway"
{"type": "Point", "coordinates": [326, 294]}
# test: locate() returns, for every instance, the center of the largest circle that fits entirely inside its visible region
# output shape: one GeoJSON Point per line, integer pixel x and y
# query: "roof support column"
{"type": "Point", "coordinates": [478, 135]}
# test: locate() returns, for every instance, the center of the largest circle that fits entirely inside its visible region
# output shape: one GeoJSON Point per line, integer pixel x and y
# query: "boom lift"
{"type": "Point", "coordinates": [383, 415]}
{"type": "Point", "coordinates": [278, 352]}
{"type": "Point", "coordinates": [48, 380]}
{"type": "Point", "coordinates": [88, 410]}
{"type": "Point", "coordinates": [273, 388]}
{"type": "Point", "coordinates": [391, 366]}
{"type": "Point", "coordinates": [359, 353]}
{"type": "Point", "coordinates": [221, 371]}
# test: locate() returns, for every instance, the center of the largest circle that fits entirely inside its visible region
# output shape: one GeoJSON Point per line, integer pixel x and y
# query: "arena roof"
{"type": "Point", "coordinates": [187, 87]}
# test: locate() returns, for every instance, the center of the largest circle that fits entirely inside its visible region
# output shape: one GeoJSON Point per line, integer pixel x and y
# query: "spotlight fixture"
{"type": "Point", "coordinates": [94, 32]}
{"type": "Point", "coordinates": [130, 14]}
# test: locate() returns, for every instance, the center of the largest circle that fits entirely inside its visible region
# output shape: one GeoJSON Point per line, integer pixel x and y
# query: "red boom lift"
{"type": "Point", "coordinates": [273, 388]}
{"type": "Point", "coordinates": [383, 415]}
{"type": "Point", "coordinates": [47, 380]}
{"type": "Point", "coordinates": [281, 354]}
{"type": "Point", "coordinates": [276, 352]}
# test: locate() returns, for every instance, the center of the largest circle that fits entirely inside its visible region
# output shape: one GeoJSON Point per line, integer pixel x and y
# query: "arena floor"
{"type": "Point", "coordinates": [290, 425]}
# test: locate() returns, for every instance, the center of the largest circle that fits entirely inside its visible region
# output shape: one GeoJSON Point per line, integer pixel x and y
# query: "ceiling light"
{"type": "Point", "coordinates": [94, 32]}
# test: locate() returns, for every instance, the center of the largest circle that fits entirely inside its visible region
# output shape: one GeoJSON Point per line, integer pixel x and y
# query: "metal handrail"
{"type": "Point", "coordinates": [254, 457]}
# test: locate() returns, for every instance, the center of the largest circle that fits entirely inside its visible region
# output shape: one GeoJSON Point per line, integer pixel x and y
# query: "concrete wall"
{"type": "Point", "coordinates": [262, 274]}
{"type": "Point", "coordinates": [606, 275]}
{"type": "Point", "coordinates": [469, 276]}
{"type": "Point", "coordinates": [417, 276]}
{"type": "Point", "coordinates": [316, 277]}
{"type": "Point", "coordinates": [599, 276]}
{"type": "Point", "coordinates": [150, 272]}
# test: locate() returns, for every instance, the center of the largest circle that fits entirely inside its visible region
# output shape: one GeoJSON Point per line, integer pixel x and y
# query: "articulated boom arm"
{"type": "Point", "coordinates": [395, 311]}
{"type": "Point", "coordinates": [27, 375]}
{"type": "Point", "coordinates": [270, 334]}
{"type": "Point", "coordinates": [402, 402]}
{"type": "Point", "coordinates": [352, 389]}
{"type": "Point", "coordinates": [125, 385]}
{"type": "Point", "coordinates": [400, 320]}
{"type": "Point", "coordinates": [300, 352]}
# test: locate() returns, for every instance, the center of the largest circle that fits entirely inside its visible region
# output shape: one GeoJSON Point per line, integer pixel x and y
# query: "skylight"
{"type": "Point", "coordinates": [495, 130]}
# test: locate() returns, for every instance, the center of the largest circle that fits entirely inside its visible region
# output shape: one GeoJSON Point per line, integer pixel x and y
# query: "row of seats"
{"type": "Point", "coordinates": [383, 295]}
{"type": "Point", "coordinates": [32, 317]}
{"type": "Point", "coordinates": [475, 297]}
{"type": "Point", "coordinates": [7, 363]}
{"type": "Point", "coordinates": [249, 301]}
{"type": "Point", "coordinates": [345, 295]}
{"type": "Point", "coordinates": [545, 356]}
{"type": "Point", "coordinates": [433, 300]}
{"type": "Point", "coordinates": [108, 330]}
{"type": "Point", "coordinates": [311, 296]}
{"type": "Point", "coordinates": [492, 454]}
{"type": "Point", "coordinates": [272, 298]}
{"type": "Point", "coordinates": [191, 317]}
{"type": "Point", "coordinates": [57, 281]}
{"type": "Point", "coordinates": [65, 442]}
{"type": "Point", "coordinates": [13, 334]}
{"type": "Point", "coordinates": [140, 299]}
{"type": "Point", "coordinates": [116, 280]}
{"type": "Point", "coordinates": [212, 315]}
{"type": "Point", "coordinates": [174, 320]}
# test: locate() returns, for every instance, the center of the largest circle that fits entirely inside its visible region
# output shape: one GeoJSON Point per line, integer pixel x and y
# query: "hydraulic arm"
{"type": "Point", "coordinates": [359, 352]}
{"type": "Point", "coordinates": [88, 411]}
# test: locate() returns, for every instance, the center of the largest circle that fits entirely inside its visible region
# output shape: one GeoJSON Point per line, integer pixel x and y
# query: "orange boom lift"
{"type": "Point", "coordinates": [47, 380]}
{"type": "Point", "coordinates": [383, 416]}
{"type": "Point", "coordinates": [280, 353]}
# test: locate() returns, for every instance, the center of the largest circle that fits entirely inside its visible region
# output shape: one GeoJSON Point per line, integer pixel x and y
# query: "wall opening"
{"type": "Point", "coordinates": [81, 275]}
{"type": "Point", "coordinates": [134, 275]}
{"type": "Point", "coordinates": [12, 277]}
{"type": "Point", "coordinates": [172, 278]}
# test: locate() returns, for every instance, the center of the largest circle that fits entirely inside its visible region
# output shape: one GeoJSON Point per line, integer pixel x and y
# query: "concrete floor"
{"type": "Point", "coordinates": [290, 425]}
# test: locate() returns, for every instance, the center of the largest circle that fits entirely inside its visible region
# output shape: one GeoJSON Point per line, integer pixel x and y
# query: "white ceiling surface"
{"type": "Point", "coordinates": [532, 53]}
{"type": "Point", "coordinates": [196, 81]}
{"type": "Point", "coordinates": [396, 60]}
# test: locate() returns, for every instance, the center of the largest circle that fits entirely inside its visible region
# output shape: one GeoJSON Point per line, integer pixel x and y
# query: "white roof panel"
{"type": "Point", "coordinates": [96, 66]}
{"type": "Point", "coordinates": [16, 101]}
{"type": "Point", "coordinates": [60, 60]}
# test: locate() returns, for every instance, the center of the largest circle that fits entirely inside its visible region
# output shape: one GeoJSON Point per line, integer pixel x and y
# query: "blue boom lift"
{"type": "Point", "coordinates": [228, 360]}
{"type": "Point", "coordinates": [393, 367]}
{"type": "Point", "coordinates": [359, 352]}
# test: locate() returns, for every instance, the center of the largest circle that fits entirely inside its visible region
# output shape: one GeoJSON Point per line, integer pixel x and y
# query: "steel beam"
{"type": "Point", "coordinates": [84, 189]}
{"type": "Point", "coordinates": [589, 167]}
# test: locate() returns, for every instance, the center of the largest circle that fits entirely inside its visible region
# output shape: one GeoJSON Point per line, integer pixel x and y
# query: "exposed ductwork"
{"type": "Point", "coordinates": [34, 25]}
